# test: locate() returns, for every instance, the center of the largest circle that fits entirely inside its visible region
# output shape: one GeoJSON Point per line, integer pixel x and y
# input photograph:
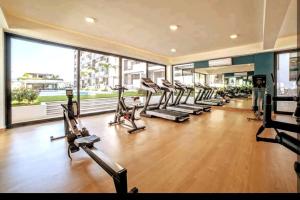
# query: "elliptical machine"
{"type": "Point", "coordinates": [79, 138]}
{"type": "Point", "coordinates": [124, 112]}
{"type": "Point", "coordinates": [282, 138]}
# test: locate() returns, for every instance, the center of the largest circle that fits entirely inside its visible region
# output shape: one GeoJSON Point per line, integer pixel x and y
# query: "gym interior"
{"type": "Point", "coordinates": [136, 96]}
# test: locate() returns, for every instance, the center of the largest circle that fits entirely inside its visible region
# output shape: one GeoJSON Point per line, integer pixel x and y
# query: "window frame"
{"type": "Point", "coordinates": [276, 57]}
{"type": "Point", "coordinates": [7, 74]}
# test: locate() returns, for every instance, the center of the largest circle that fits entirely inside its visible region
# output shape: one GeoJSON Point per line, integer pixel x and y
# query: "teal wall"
{"type": "Point", "coordinates": [263, 64]}
{"type": "Point", "coordinates": [201, 64]}
{"type": "Point", "coordinates": [243, 60]}
{"type": "Point", "coordinates": [228, 74]}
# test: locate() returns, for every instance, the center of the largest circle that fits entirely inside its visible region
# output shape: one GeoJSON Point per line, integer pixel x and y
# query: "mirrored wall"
{"type": "Point", "coordinates": [233, 81]}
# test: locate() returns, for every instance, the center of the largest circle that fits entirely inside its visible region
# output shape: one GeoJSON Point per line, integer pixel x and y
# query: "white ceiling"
{"type": "Point", "coordinates": [205, 25]}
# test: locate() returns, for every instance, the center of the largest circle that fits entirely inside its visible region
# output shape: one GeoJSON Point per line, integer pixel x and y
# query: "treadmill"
{"type": "Point", "coordinates": [175, 106]}
{"type": "Point", "coordinates": [212, 95]}
{"type": "Point", "coordinates": [204, 92]}
{"type": "Point", "coordinates": [152, 88]}
{"type": "Point", "coordinates": [205, 108]}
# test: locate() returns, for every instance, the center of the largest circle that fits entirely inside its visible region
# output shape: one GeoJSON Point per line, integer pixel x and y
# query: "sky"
{"type": "Point", "coordinates": [33, 57]}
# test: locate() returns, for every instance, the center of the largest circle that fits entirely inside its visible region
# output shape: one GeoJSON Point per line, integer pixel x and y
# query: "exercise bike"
{"type": "Point", "coordinates": [282, 138]}
{"type": "Point", "coordinates": [78, 137]}
{"type": "Point", "coordinates": [125, 113]}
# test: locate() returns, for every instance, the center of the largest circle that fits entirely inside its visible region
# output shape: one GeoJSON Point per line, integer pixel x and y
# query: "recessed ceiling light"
{"type": "Point", "coordinates": [233, 36]}
{"type": "Point", "coordinates": [173, 27]}
{"type": "Point", "coordinates": [90, 20]}
{"type": "Point", "coordinates": [173, 50]}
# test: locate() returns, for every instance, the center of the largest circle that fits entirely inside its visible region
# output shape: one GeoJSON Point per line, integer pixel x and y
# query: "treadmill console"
{"type": "Point", "coordinates": [179, 84]}
{"type": "Point", "coordinates": [167, 83]}
{"type": "Point", "coordinates": [150, 84]}
{"type": "Point", "coordinates": [199, 85]}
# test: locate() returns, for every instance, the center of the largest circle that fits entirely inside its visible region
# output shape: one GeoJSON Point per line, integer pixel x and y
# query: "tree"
{"type": "Point", "coordinates": [106, 67]}
{"type": "Point", "coordinates": [31, 95]}
{"type": "Point", "coordinates": [21, 94]}
{"type": "Point", "coordinates": [25, 76]}
{"type": "Point", "coordinates": [18, 94]}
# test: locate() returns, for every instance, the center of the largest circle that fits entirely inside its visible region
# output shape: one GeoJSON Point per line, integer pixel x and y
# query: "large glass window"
{"type": "Point", "coordinates": [185, 74]}
{"type": "Point", "coordinates": [200, 78]}
{"type": "Point", "coordinates": [156, 73]}
{"type": "Point", "coordinates": [287, 69]}
{"type": "Point", "coordinates": [132, 72]}
{"type": "Point", "coordinates": [98, 74]}
{"type": "Point", "coordinates": [40, 73]}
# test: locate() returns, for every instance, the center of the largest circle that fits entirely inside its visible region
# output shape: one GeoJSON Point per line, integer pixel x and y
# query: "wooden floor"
{"type": "Point", "coordinates": [240, 103]}
{"type": "Point", "coordinates": [215, 152]}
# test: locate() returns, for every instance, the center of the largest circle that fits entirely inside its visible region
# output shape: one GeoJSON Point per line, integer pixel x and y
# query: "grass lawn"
{"type": "Point", "coordinates": [64, 98]}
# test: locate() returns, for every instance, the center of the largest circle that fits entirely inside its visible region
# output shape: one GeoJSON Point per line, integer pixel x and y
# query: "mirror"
{"type": "Point", "coordinates": [235, 81]}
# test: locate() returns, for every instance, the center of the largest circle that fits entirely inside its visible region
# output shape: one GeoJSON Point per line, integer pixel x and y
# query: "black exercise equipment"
{"type": "Point", "coordinates": [176, 106]}
{"type": "Point", "coordinates": [156, 111]}
{"type": "Point", "coordinates": [202, 97]}
{"type": "Point", "coordinates": [124, 112]}
{"type": "Point", "coordinates": [79, 137]}
{"type": "Point", "coordinates": [258, 91]}
{"type": "Point", "coordinates": [184, 88]}
{"type": "Point", "coordinates": [282, 138]}
{"type": "Point", "coordinates": [75, 109]}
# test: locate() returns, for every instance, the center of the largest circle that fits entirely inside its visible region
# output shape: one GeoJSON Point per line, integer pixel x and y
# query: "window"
{"type": "Point", "coordinates": [40, 73]}
{"type": "Point", "coordinates": [98, 73]}
{"type": "Point", "coordinates": [185, 74]}
{"type": "Point", "coordinates": [132, 72]}
{"type": "Point", "coordinates": [156, 73]}
{"type": "Point", "coordinates": [200, 78]}
{"type": "Point", "coordinates": [287, 70]}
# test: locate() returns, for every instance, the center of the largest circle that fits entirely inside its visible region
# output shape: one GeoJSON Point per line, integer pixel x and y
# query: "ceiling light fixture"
{"type": "Point", "coordinates": [173, 27]}
{"type": "Point", "coordinates": [90, 20]}
{"type": "Point", "coordinates": [173, 50]}
{"type": "Point", "coordinates": [233, 36]}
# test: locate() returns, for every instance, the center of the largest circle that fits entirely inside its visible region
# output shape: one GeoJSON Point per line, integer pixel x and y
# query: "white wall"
{"type": "Point", "coordinates": [2, 106]}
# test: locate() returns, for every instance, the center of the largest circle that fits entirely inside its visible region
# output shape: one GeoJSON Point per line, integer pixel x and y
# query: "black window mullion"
{"type": "Point", "coordinates": [8, 106]}
{"type": "Point", "coordinates": [147, 68]}
{"type": "Point", "coordinates": [121, 71]}
{"type": "Point", "coordinates": [78, 78]}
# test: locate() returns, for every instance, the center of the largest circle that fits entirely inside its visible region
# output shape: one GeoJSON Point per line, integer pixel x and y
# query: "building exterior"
{"type": "Point", "coordinates": [97, 72]}
{"type": "Point", "coordinates": [41, 81]}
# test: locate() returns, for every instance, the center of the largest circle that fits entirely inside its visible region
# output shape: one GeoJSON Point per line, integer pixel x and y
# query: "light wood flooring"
{"type": "Point", "coordinates": [214, 152]}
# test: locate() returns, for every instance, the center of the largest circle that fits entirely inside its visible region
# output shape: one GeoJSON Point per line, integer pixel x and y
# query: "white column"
{"type": "Point", "coordinates": [169, 73]}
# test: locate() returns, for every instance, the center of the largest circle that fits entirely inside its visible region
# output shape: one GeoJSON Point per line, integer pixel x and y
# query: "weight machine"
{"type": "Point", "coordinates": [282, 138]}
